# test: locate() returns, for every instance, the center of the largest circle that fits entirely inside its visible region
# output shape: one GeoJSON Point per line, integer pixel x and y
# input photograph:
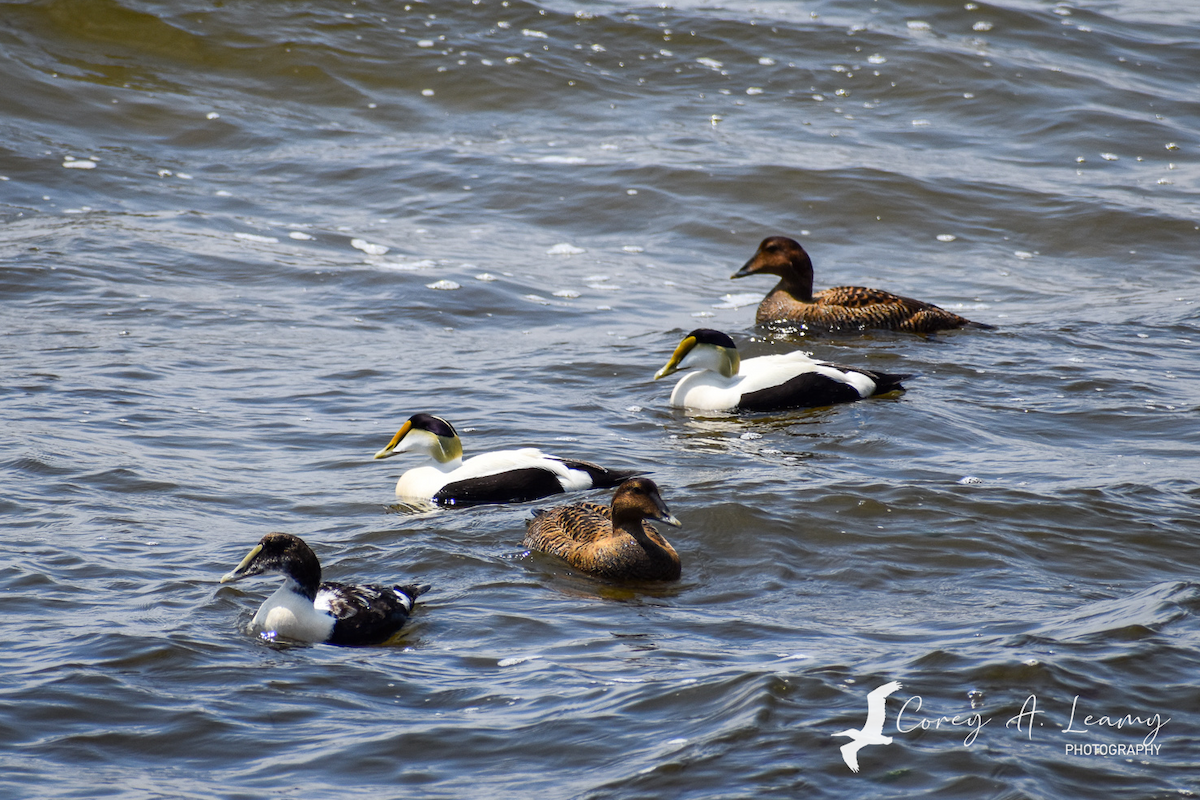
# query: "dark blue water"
{"type": "Point", "coordinates": [303, 223]}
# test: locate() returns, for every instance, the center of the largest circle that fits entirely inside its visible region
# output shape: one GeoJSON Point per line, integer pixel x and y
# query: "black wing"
{"type": "Point", "coordinates": [512, 486]}
{"type": "Point", "coordinates": [807, 390]}
{"type": "Point", "coordinates": [369, 614]}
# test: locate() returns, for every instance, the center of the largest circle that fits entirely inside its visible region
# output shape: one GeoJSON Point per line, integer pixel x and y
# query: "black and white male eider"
{"type": "Point", "coordinates": [505, 476]}
{"type": "Point", "coordinates": [307, 610]}
{"type": "Point", "coordinates": [614, 543]}
{"type": "Point", "coordinates": [723, 382]}
{"type": "Point", "coordinates": [841, 308]}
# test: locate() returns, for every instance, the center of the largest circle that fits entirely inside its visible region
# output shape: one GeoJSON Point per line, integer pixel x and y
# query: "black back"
{"type": "Point", "coordinates": [369, 615]}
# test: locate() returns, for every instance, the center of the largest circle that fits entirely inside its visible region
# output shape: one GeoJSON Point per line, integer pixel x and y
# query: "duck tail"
{"type": "Point", "coordinates": [603, 478]}
{"type": "Point", "coordinates": [983, 326]}
{"type": "Point", "coordinates": [412, 591]}
{"type": "Point", "coordinates": [888, 382]}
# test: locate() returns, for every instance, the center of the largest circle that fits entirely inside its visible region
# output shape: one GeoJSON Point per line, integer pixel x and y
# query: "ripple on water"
{"type": "Point", "coordinates": [212, 331]}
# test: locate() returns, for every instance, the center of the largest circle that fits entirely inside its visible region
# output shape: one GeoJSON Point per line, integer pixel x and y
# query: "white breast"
{"type": "Point", "coordinates": [291, 615]}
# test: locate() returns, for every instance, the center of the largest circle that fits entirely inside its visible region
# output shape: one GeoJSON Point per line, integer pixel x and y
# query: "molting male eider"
{"type": "Point", "coordinates": [307, 610]}
{"type": "Point", "coordinates": [723, 382]}
{"type": "Point", "coordinates": [613, 543]}
{"type": "Point", "coordinates": [505, 476]}
{"type": "Point", "coordinates": [842, 308]}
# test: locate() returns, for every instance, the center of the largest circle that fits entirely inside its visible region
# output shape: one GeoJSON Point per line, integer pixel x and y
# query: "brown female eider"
{"type": "Point", "coordinates": [842, 308]}
{"type": "Point", "coordinates": [614, 543]}
{"type": "Point", "coordinates": [305, 609]}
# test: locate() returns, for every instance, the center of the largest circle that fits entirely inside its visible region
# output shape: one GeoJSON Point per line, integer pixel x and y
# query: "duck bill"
{"type": "Point", "coordinates": [670, 519]}
{"type": "Point", "coordinates": [390, 450]}
{"type": "Point", "coordinates": [680, 353]}
{"type": "Point", "coordinates": [747, 269]}
{"type": "Point", "coordinates": [239, 572]}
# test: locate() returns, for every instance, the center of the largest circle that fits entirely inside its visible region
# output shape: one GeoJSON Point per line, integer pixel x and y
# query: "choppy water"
{"type": "Point", "coordinates": [204, 340]}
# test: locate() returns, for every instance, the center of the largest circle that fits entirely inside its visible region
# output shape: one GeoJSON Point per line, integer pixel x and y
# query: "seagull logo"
{"type": "Point", "coordinates": [872, 730]}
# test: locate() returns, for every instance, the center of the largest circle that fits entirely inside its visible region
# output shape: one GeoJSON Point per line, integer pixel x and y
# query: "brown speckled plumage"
{"type": "Point", "coordinates": [586, 536]}
{"type": "Point", "coordinates": [842, 308]}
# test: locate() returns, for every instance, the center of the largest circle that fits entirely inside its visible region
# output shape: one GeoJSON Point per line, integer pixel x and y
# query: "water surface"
{"type": "Point", "coordinates": [242, 243]}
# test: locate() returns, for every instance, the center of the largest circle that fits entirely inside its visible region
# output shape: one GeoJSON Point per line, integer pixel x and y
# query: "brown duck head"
{"type": "Point", "coordinates": [637, 499]}
{"type": "Point", "coordinates": [779, 255]}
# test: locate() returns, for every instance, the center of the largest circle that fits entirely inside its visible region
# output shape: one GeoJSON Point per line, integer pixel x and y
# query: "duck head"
{"type": "Point", "coordinates": [779, 255]}
{"type": "Point", "coordinates": [637, 499]}
{"type": "Point", "coordinates": [425, 433]}
{"type": "Point", "coordinates": [704, 348]}
{"type": "Point", "coordinates": [282, 554]}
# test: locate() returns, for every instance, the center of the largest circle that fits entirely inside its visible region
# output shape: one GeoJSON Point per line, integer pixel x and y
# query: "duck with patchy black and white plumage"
{"type": "Point", "coordinates": [504, 476]}
{"type": "Point", "coordinates": [842, 308]}
{"type": "Point", "coordinates": [306, 610]}
{"type": "Point", "coordinates": [610, 542]}
{"type": "Point", "coordinates": [723, 382]}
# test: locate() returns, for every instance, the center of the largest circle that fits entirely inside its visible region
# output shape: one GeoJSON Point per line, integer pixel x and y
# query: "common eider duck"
{"type": "Point", "coordinates": [307, 610]}
{"type": "Point", "coordinates": [842, 308]}
{"type": "Point", "coordinates": [723, 382]}
{"type": "Point", "coordinates": [614, 543]}
{"type": "Point", "coordinates": [505, 476]}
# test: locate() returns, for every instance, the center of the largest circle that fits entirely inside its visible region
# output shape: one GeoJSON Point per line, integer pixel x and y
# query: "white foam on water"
{"type": "Point", "coordinates": [739, 300]}
{"type": "Point", "coordinates": [368, 248]}
{"type": "Point", "coordinates": [561, 160]}
{"type": "Point", "coordinates": [254, 237]}
{"type": "Point", "coordinates": [564, 249]}
{"type": "Point", "coordinates": [443, 285]}
{"type": "Point", "coordinates": [512, 661]}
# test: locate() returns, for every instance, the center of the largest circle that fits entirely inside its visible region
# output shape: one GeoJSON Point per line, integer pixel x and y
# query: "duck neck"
{"type": "Point", "coordinates": [635, 527]}
{"type": "Point", "coordinates": [447, 455]}
{"type": "Point", "coordinates": [304, 575]}
{"type": "Point", "coordinates": [797, 280]}
{"type": "Point", "coordinates": [448, 465]}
